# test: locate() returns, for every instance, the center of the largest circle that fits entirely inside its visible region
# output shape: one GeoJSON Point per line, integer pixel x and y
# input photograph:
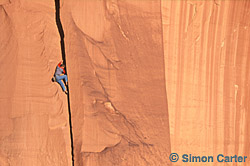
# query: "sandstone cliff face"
{"type": "Point", "coordinates": [207, 75]}
{"type": "Point", "coordinates": [116, 82]}
{"type": "Point", "coordinates": [33, 111]}
{"type": "Point", "coordinates": [118, 79]}
{"type": "Point", "coordinates": [117, 88]}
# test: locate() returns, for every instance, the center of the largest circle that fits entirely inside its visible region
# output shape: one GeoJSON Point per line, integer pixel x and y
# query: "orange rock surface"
{"type": "Point", "coordinates": [206, 46]}
{"type": "Point", "coordinates": [146, 78]}
{"type": "Point", "coordinates": [118, 97]}
{"type": "Point", "coordinates": [33, 128]}
{"type": "Point", "coordinates": [115, 65]}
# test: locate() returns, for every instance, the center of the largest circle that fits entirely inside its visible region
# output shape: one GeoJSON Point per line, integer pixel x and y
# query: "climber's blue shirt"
{"type": "Point", "coordinates": [59, 71]}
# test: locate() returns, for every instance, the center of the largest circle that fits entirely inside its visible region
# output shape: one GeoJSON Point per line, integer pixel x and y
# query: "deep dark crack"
{"type": "Point", "coordinates": [61, 32]}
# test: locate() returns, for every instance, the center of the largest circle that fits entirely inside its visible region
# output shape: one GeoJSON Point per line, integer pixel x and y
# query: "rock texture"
{"type": "Point", "coordinates": [33, 126]}
{"type": "Point", "coordinates": [123, 59]}
{"type": "Point", "coordinates": [117, 87]}
{"type": "Point", "coordinates": [116, 81]}
{"type": "Point", "coordinates": [206, 46]}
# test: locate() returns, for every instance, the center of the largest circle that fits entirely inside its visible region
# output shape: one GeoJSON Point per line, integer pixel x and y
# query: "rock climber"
{"type": "Point", "coordinates": [61, 75]}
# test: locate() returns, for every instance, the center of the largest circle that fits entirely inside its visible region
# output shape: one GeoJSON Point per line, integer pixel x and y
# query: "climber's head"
{"type": "Point", "coordinates": [62, 65]}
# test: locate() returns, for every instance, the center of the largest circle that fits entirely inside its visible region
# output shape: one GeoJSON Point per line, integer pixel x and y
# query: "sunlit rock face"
{"type": "Point", "coordinates": [207, 58]}
{"type": "Point", "coordinates": [115, 62]}
{"type": "Point", "coordinates": [119, 78]}
{"type": "Point", "coordinates": [33, 114]}
{"type": "Point", "coordinates": [115, 65]}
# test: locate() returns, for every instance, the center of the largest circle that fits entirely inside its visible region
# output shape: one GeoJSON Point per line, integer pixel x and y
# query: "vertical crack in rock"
{"type": "Point", "coordinates": [61, 32]}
